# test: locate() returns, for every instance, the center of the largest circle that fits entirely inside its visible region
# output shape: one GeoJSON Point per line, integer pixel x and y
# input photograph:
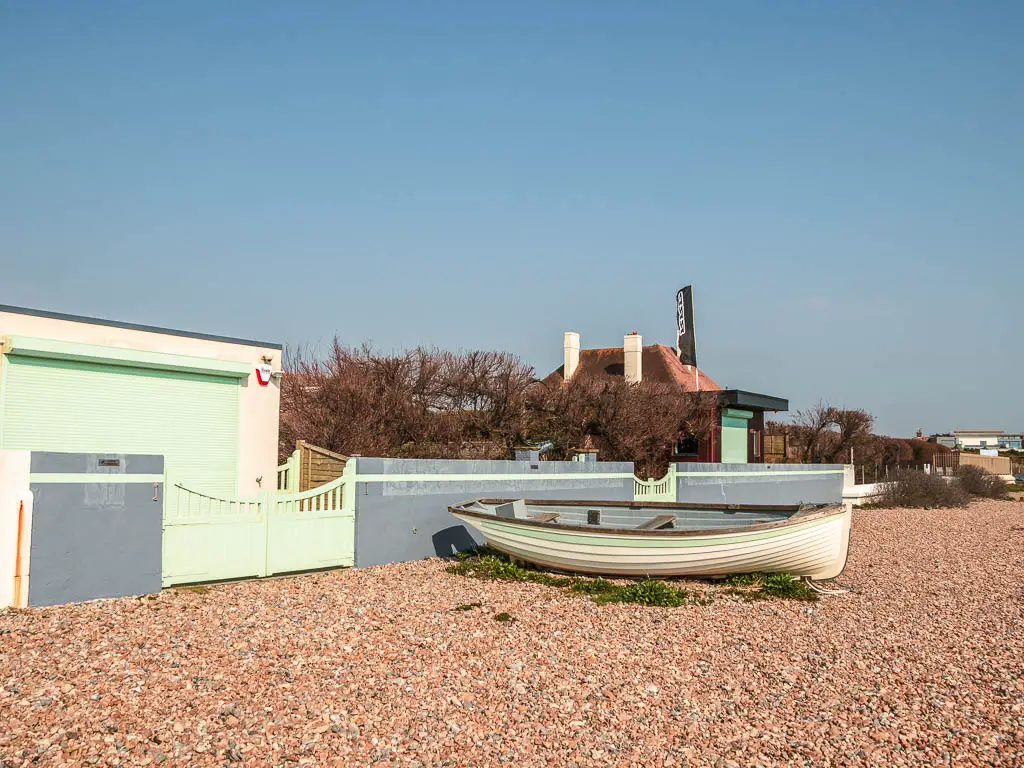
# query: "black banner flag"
{"type": "Point", "coordinates": [686, 344]}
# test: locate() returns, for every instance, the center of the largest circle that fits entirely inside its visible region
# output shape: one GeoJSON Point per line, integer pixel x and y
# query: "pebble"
{"type": "Point", "coordinates": [915, 666]}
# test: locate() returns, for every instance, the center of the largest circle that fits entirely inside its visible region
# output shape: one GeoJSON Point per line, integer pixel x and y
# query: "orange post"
{"type": "Point", "coordinates": [17, 554]}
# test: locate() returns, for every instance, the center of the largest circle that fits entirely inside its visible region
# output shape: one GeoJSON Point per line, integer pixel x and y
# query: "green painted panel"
{"type": "Point", "coordinates": [399, 478]}
{"type": "Point", "coordinates": [54, 349]}
{"type": "Point", "coordinates": [207, 538]}
{"type": "Point", "coordinates": [737, 413]}
{"type": "Point", "coordinates": [733, 421]}
{"type": "Point", "coordinates": [734, 444]}
{"type": "Point", "coordinates": [189, 418]}
{"type": "Point", "coordinates": [214, 550]}
{"type": "Point", "coordinates": [308, 541]}
{"type": "Point", "coordinates": [767, 473]}
{"type": "Point", "coordinates": [313, 529]}
{"type": "Point", "coordinates": [91, 477]}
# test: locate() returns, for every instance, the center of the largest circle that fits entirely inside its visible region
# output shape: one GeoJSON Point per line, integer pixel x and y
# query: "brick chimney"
{"type": "Point", "coordinates": [633, 351]}
{"type": "Point", "coordinates": [572, 354]}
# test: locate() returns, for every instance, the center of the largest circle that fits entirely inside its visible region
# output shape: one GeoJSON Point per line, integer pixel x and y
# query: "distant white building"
{"type": "Point", "coordinates": [986, 438]}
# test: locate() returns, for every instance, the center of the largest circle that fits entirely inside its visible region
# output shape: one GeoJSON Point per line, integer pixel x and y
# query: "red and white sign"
{"type": "Point", "coordinates": [263, 374]}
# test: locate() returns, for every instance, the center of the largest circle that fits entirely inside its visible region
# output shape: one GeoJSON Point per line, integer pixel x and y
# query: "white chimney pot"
{"type": "Point", "coordinates": [572, 354]}
{"type": "Point", "coordinates": [633, 350]}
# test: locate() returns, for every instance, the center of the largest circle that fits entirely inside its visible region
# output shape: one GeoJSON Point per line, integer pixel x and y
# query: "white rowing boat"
{"type": "Point", "coordinates": [663, 539]}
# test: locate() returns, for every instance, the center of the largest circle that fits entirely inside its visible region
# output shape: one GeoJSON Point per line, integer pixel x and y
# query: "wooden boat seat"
{"type": "Point", "coordinates": [545, 517]}
{"type": "Point", "coordinates": [661, 521]}
{"type": "Point", "coordinates": [513, 510]}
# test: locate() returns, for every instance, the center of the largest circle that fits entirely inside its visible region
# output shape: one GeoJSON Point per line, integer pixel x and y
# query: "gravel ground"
{"type": "Point", "coordinates": [920, 665]}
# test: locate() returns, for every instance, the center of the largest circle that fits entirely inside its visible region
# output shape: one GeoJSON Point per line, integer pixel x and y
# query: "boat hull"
{"type": "Point", "coordinates": [816, 548]}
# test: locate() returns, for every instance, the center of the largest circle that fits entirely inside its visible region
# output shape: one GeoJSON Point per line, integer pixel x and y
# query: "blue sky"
{"type": "Point", "coordinates": [843, 183]}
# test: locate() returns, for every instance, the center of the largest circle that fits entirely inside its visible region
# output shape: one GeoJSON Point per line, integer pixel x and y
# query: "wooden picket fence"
{"type": "Point", "coordinates": [946, 463]}
{"type": "Point", "coordinates": [776, 449]}
{"type": "Point", "coordinates": [309, 466]}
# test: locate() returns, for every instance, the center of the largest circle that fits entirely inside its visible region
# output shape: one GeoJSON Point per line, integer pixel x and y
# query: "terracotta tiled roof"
{"type": "Point", "coordinates": [659, 363]}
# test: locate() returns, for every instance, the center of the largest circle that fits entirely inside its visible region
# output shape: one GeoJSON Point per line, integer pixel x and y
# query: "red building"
{"type": "Point", "coordinates": [738, 432]}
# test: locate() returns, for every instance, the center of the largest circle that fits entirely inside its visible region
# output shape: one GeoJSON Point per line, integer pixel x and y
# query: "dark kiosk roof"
{"type": "Point", "coordinates": [740, 398]}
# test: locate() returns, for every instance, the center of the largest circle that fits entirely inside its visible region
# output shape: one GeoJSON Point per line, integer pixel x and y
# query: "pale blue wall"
{"type": "Point", "coordinates": [96, 538]}
{"type": "Point", "coordinates": [759, 483]}
{"type": "Point", "coordinates": [401, 520]}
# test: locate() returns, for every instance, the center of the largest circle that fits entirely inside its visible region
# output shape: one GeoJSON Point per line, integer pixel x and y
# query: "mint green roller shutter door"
{"type": "Point", "coordinates": [734, 445]}
{"type": "Point", "coordinates": [190, 418]}
{"type": "Point", "coordinates": [734, 436]}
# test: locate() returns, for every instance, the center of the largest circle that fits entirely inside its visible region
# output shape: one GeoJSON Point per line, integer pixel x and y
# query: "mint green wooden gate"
{"type": "Point", "coordinates": [312, 529]}
{"type": "Point", "coordinates": [208, 538]}
{"type": "Point", "coordinates": [656, 490]}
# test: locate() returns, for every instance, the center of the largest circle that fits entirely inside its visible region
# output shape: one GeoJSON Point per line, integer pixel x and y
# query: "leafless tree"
{"type": "Point", "coordinates": [422, 402]}
{"type": "Point", "coordinates": [433, 403]}
{"type": "Point", "coordinates": [826, 434]}
{"type": "Point", "coordinates": [625, 422]}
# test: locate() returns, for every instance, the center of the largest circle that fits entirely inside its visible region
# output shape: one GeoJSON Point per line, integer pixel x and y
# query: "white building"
{"type": "Point", "coordinates": [987, 438]}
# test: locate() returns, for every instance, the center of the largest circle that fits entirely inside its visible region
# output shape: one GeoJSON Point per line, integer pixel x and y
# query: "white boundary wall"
{"type": "Point", "coordinates": [14, 494]}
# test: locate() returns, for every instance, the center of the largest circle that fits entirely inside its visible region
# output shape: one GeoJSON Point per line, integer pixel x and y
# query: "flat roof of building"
{"type": "Point", "coordinates": [743, 399]}
{"type": "Point", "coordinates": [136, 326]}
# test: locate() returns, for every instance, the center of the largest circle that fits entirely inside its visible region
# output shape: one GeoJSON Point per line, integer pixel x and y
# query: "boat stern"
{"type": "Point", "coordinates": [837, 565]}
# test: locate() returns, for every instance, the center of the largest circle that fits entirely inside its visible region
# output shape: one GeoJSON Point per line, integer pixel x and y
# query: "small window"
{"type": "Point", "coordinates": [687, 447]}
{"type": "Point", "coordinates": [756, 435]}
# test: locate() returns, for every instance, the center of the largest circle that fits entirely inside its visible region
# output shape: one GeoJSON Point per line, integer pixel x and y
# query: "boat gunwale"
{"type": "Point", "coordinates": [804, 513]}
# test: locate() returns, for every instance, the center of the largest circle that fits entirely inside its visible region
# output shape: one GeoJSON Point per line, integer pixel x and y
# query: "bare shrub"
{"type": "Point", "coordinates": [429, 403]}
{"type": "Point", "coordinates": [421, 403]}
{"type": "Point", "coordinates": [625, 422]}
{"type": "Point", "coordinates": [825, 434]}
{"type": "Point", "coordinates": [978, 482]}
{"type": "Point", "coordinates": [913, 488]}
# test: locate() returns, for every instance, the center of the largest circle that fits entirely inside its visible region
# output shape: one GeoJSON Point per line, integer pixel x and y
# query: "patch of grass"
{"type": "Point", "coordinates": [649, 592]}
{"type": "Point", "coordinates": [595, 587]}
{"type": "Point", "coordinates": [487, 563]}
{"type": "Point", "coordinates": [468, 606]}
{"type": "Point", "coordinates": [503, 617]}
{"type": "Point", "coordinates": [1015, 487]}
{"type": "Point", "coordinates": [199, 589]}
{"type": "Point", "coordinates": [478, 551]}
{"type": "Point", "coordinates": [765, 586]}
